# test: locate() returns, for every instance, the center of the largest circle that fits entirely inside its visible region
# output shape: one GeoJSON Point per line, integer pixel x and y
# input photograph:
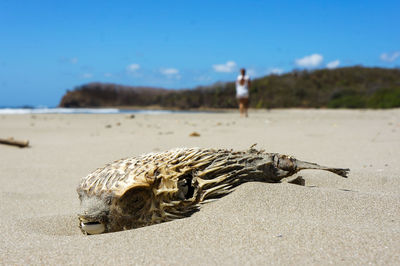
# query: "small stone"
{"type": "Point", "coordinates": [194, 134]}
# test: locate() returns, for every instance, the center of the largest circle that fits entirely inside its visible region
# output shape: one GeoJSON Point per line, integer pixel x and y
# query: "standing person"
{"type": "Point", "coordinates": [243, 84]}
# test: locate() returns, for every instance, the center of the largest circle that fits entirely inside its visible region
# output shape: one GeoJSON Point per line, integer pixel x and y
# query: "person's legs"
{"type": "Point", "coordinates": [243, 105]}
{"type": "Point", "coordinates": [240, 106]}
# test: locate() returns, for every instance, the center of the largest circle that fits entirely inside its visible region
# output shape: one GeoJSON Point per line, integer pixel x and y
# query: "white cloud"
{"type": "Point", "coordinates": [390, 57]}
{"type": "Point", "coordinates": [132, 67]}
{"type": "Point", "coordinates": [108, 75]}
{"type": "Point", "coordinates": [169, 71]}
{"type": "Point", "coordinates": [275, 70]}
{"type": "Point", "coordinates": [73, 60]}
{"type": "Point", "coordinates": [203, 78]}
{"type": "Point", "coordinates": [251, 72]}
{"type": "Point", "coordinates": [333, 64]}
{"type": "Point", "coordinates": [310, 61]}
{"type": "Point", "coordinates": [87, 75]}
{"type": "Point", "coordinates": [69, 60]}
{"type": "Point", "coordinates": [228, 67]}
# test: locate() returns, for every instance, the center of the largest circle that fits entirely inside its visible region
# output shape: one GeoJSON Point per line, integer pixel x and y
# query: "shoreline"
{"type": "Point", "coordinates": [157, 107]}
{"type": "Point", "coordinates": [152, 111]}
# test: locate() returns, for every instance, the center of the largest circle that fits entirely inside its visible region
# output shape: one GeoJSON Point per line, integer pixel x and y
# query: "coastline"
{"type": "Point", "coordinates": [159, 109]}
{"type": "Point", "coordinates": [329, 220]}
{"type": "Point", "coordinates": [106, 110]}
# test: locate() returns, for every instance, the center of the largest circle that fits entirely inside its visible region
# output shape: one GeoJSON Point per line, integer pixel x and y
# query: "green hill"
{"type": "Point", "coordinates": [349, 87]}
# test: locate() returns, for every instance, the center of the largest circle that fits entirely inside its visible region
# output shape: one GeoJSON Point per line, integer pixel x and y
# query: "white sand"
{"type": "Point", "coordinates": [329, 220]}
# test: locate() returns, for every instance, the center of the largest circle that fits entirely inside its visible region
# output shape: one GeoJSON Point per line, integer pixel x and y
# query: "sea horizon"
{"type": "Point", "coordinates": [63, 110]}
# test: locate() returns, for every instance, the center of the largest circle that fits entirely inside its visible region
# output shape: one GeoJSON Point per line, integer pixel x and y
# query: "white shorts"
{"type": "Point", "coordinates": [242, 95]}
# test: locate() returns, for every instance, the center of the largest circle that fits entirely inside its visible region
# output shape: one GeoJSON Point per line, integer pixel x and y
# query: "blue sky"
{"type": "Point", "coordinates": [47, 47]}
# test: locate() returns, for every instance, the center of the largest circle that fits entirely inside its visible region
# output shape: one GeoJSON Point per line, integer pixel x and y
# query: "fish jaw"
{"type": "Point", "coordinates": [91, 228]}
{"type": "Point", "coordinates": [93, 217]}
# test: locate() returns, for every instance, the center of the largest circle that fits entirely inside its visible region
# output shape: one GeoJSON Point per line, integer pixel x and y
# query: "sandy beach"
{"type": "Point", "coordinates": [330, 220]}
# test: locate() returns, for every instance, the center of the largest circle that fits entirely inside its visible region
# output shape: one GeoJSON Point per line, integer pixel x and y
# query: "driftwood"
{"type": "Point", "coordinates": [12, 141]}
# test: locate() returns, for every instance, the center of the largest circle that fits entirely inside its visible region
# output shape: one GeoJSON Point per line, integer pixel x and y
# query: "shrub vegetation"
{"type": "Point", "coordinates": [349, 87]}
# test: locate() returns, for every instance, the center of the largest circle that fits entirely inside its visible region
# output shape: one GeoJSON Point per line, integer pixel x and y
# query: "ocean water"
{"type": "Point", "coordinates": [46, 110]}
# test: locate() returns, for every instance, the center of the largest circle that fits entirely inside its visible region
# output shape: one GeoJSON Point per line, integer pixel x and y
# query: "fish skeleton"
{"type": "Point", "coordinates": [160, 187]}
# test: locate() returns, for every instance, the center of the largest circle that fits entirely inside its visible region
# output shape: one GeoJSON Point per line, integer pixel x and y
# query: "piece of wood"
{"type": "Point", "coordinates": [12, 141]}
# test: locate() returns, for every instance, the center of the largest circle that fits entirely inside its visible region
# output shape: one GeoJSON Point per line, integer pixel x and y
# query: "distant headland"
{"type": "Point", "coordinates": [347, 87]}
